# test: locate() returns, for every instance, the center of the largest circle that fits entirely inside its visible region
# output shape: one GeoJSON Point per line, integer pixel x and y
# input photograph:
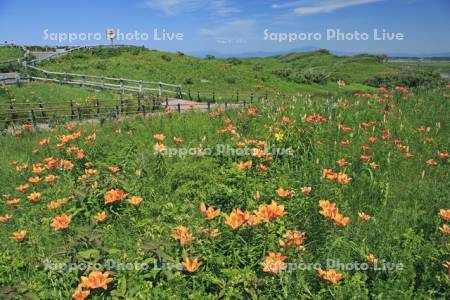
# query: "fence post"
{"type": "Point", "coordinates": [103, 82]}
{"type": "Point", "coordinates": [117, 111]}
{"type": "Point", "coordinates": [214, 96]}
{"type": "Point", "coordinates": [179, 107]}
{"type": "Point", "coordinates": [226, 105]}
{"type": "Point", "coordinates": [189, 94]}
{"type": "Point", "coordinates": [33, 118]}
{"type": "Point", "coordinates": [11, 108]}
{"type": "Point", "coordinates": [209, 106]}
{"type": "Point", "coordinates": [154, 104]}
{"type": "Point", "coordinates": [72, 111]}
{"type": "Point", "coordinates": [79, 113]}
{"type": "Point", "coordinates": [167, 102]}
{"type": "Point", "coordinates": [83, 79]}
{"type": "Point", "coordinates": [143, 109]}
{"type": "Point", "coordinates": [237, 96]}
{"type": "Point", "coordinates": [41, 106]}
{"type": "Point", "coordinates": [198, 96]}
{"type": "Point", "coordinates": [160, 90]}
{"type": "Point", "coordinates": [251, 98]}
{"type": "Point", "coordinates": [267, 95]}
{"type": "Point", "coordinates": [121, 105]}
{"type": "Point", "coordinates": [121, 85]}
{"type": "Point", "coordinates": [139, 103]}
{"type": "Point", "coordinates": [97, 104]}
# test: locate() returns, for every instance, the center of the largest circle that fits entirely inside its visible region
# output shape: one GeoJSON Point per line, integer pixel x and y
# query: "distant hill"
{"type": "Point", "coordinates": [299, 72]}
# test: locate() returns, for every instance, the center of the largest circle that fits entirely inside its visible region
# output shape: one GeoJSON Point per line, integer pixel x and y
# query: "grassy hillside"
{"type": "Point", "coordinates": [52, 94]}
{"type": "Point", "coordinates": [7, 53]}
{"type": "Point", "coordinates": [381, 160]}
{"type": "Point", "coordinates": [246, 75]}
{"type": "Point", "coordinates": [441, 66]}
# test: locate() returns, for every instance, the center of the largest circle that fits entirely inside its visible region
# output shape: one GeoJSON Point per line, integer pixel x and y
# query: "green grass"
{"type": "Point", "coordinates": [441, 66]}
{"type": "Point", "coordinates": [52, 94]}
{"type": "Point", "coordinates": [7, 53]}
{"type": "Point", "coordinates": [28, 96]}
{"type": "Point", "coordinates": [403, 204]}
{"type": "Point", "coordinates": [246, 75]}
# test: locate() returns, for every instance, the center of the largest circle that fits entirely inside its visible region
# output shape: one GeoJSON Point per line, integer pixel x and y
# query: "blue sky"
{"type": "Point", "coordinates": [234, 26]}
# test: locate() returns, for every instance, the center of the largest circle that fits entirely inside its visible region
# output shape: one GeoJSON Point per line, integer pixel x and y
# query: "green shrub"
{"type": "Point", "coordinates": [426, 79]}
{"type": "Point", "coordinates": [234, 61]}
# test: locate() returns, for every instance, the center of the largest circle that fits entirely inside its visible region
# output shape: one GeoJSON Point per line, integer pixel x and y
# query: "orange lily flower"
{"type": "Point", "coordinates": [79, 294]}
{"type": "Point", "coordinates": [91, 137]}
{"type": "Point", "coordinates": [191, 265]}
{"type": "Point", "coordinates": [330, 211]}
{"type": "Point", "coordinates": [101, 217]}
{"type": "Point", "coordinates": [66, 165]}
{"type": "Point", "coordinates": [91, 172]}
{"type": "Point", "coordinates": [5, 218]}
{"type": "Point", "coordinates": [177, 140]}
{"type": "Point", "coordinates": [330, 275]}
{"type": "Point", "coordinates": [159, 148]}
{"type": "Point", "coordinates": [445, 229]}
{"type": "Point", "coordinates": [61, 222]}
{"type": "Point", "coordinates": [252, 219]}
{"type": "Point", "coordinates": [56, 204]}
{"type": "Point", "coordinates": [363, 217]}
{"type": "Point", "coordinates": [306, 190]}
{"type": "Point", "coordinates": [274, 263]}
{"type": "Point", "coordinates": [159, 137]}
{"type": "Point", "coordinates": [340, 220]}
{"type": "Point", "coordinates": [50, 178]}
{"type": "Point", "coordinates": [235, 219]}
{"type": "Point", "coordinates": [245, 165]}
{"type": "Point", "coordinates": [293, 239]}
{"type": "Point", "coordinates": [114, 195]}
{"type": "Point", "coordinates": [34, 180]}
{"type": "Point", "coordinates": [283, 193]}
{"type": "Point", "coordinates": [113, 170]}
{"type": "Point", "coordinates": [182, 234]}
{"type": "Point", "coordinates": [95, 280]}
{"type": "Point", "coordinates": [259, 153]}
{"type": "Point", "coordinates": [13, 202]}
{"type": "Point", "coordinates": [372, 259]}
{"type": "Point", "coordinates": [19, 235]}
{"type": "Point", "coordinates": [44, 142]}
{"type": "Point", "coordinates": [342, 162]}
{"type": "Point", "coordinates": [38, 169]}
{"type": "Point", "coordinates": [373, 165]}
{"type": "Point", "coordinates": [135, 200]}
{"type": "Point", "coordinates": [269, 212]}
{"type": "Point", "coordinates": [445, 214]}
{"type": "Point", "coordinates": [444, 155]}
{"type": "Point", "coordinates": [432, 162]}
{"type": "Point", "coordinates": [208, 213]}
{"type": "Point", "coordinates": [34, 197]}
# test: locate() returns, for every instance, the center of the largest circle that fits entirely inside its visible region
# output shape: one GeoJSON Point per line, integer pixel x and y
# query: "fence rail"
{"type": "Point", "coordinates": [112, 109]}
{"type": "Point", "coordinates": [139, 85]}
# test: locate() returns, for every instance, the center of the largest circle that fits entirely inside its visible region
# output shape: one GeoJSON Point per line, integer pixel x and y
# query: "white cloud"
{"type": "Point", "coordinates": [174, 7]}
{"type": "Point", "coordinates": [302, 8]}
{"type": "Point", "coordinates": [220, 8]}
{"type": "Point", "coordinates": [223, 8]}
{"type": "Point", "coordinates": [235, 28]}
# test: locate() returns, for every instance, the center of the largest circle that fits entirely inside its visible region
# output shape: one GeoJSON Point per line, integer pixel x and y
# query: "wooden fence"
{"type": "Point", "coordinates": [116, 84]}
{"type": "Point", "coordinates": [100, 109]}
